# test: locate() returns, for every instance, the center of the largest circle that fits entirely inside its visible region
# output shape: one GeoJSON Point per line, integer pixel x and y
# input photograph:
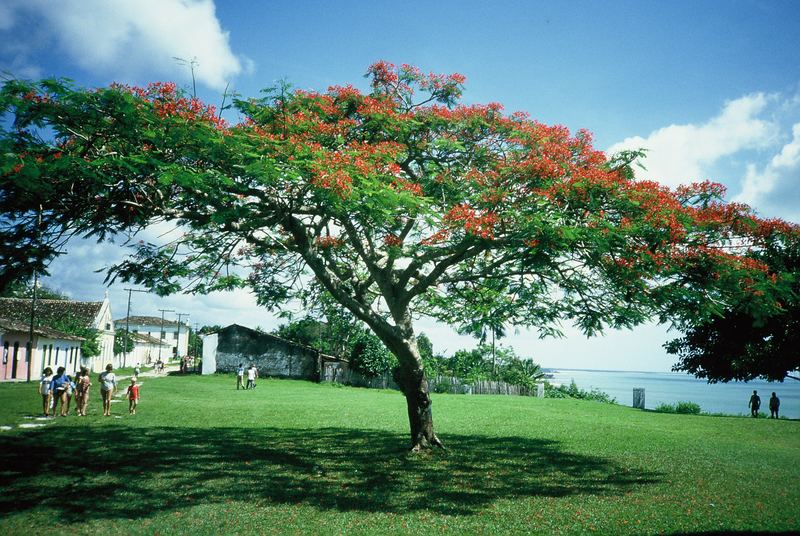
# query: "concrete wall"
{"type": "Point", "coordinates": [271, 355]}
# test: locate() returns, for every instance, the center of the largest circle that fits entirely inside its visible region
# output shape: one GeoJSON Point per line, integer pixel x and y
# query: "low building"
{"type": "Point", "coordinates": [146, 349]}
{"type": "Point", "coordinates": [225, 349]}
{"type": "Point", "coordinates": [53, 314]}
{"type": "Point", "coordinates": [50, 348]}
{"type": "Point", "coordinates": [175, 334]}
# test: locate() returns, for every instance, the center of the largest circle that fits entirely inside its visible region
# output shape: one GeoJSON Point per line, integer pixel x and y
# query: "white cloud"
{"type": "Point", "coordinates": [130, 38]}
{"type": "Point", "coordinates": [776, 185]}
{"type": "Point", "coordinates": [678, 154]}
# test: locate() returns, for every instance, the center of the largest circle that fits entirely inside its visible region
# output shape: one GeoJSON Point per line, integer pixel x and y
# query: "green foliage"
{"type": "Point", "coordinates": [470, 365]}
{"type": "Point", "coordinates": [749, 338]}
{"type": "Point", "coordinates": [573, 391]}
{"type": "Point", "coordinates": [22, 289]}
{"type": "Point", "coordinates": [687, 408]}
{"type": "Point", "coordinates": [683, 408]}
{"type": "Point", "coordinates": [370, 357]}
{"type": "Point", "coordinates": [90, 347]}
{"type": "Point", "coordinates": [123, 342]}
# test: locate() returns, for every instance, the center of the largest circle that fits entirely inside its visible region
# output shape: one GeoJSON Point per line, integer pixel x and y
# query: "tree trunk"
{"type": "Point", "coordinates": [410, 376]}
{"type": "Point", "coordinates": [414, 385]}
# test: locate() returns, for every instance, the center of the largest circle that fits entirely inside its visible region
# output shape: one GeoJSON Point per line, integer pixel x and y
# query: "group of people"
{"type": "Point", "coordinates": [60, 388]}
{"type": "Point", "coordinates": [755, 404]}
{"type": "Point", "coordinates": [252, 376]}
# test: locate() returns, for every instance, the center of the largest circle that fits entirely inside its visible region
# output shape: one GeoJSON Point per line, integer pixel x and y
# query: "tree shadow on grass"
{"type": "Point", "coordinates": [130, 473]}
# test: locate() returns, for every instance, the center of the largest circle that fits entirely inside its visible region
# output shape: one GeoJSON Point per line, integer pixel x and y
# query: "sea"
{"type": "Point", "coordinates": [671, 387]}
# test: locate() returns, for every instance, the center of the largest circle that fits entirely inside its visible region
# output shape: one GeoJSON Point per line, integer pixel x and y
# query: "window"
{"type": "Point", "coordinates": [163, 335]}
{"type": "Point", "coordinates": [175, 335]}
{"type": "Point", "coordinates": [108, 326]}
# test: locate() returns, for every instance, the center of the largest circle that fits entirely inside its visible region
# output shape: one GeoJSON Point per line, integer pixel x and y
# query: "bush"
{"type": "Point", "coordinates": [687, 408]}
{"type": "Point", "coordinates": [683, 408]}
{"type": "Point", "coordinates": [552, 391]}
{"type": "Point", "coordinates": [370, 357]}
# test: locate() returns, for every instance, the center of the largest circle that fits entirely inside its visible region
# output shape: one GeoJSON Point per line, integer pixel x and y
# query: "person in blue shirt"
{"type": "Point", "coordinates": [59, 387]}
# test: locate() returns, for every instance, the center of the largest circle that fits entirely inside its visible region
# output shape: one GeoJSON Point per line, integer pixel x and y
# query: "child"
{"type": "Point", "coordinates": [133, 396]}
{"type": "Point", "coordinates": [44, 390]}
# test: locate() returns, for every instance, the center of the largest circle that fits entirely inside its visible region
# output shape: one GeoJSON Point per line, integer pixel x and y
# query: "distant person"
{"type": "Point", "coordinates": [755, 403]}
{"type": "Point", "coordinates": [137, 370]}
{"type": "Point", "coordinates": [774, 406]}
{"type": "Point", "coordinates": [82, 384]}
{"type": "Point", "coordinates": [108, 383]}
{"type": "Point", "coordinates": [252, 375]}
{"type": "Point", "coordinates": [59, 386]}
{"type": "Point", "coordinates": [45, 391]}
{"type": "Point", "coordinates": [133, 396]}
{"type": "Point", "coordinates": [240, 377]}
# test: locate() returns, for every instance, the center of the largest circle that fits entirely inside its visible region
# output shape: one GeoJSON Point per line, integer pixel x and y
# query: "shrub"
{"type": "Point", "coordinates": [370, 357]}
{"type": "Point", "coordinates": [683, 408]}
{"type": "Point", "coordinates": [687, 408]}
{"type": "Point", "coordinates": [552, 391]}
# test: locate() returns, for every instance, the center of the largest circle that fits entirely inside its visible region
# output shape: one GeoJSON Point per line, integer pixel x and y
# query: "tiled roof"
{"type": "Point", "coordinates": [147, 339]}
{"type": "Point", "coordinates": [147, 321]}
{"type": "Point", "coordinates": [10, 325]}
{"type": "Point", "coordinates": [49, 311]}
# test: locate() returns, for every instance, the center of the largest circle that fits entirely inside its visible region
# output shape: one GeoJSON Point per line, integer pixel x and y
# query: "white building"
{"type": "Point", "coordinates": [62, 315]}
{"type": "Point", "coordinates": [175, 336]}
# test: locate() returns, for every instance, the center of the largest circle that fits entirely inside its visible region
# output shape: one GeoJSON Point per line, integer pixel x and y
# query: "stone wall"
{"type": "Point", "coordinates": [272, 355]}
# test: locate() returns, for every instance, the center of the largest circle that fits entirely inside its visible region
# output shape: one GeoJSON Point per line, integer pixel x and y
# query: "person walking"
{"type": "Point", "coordinates": [240, 377]}
{"type": "Point", "coordinates": [59, 386]}
{"type": "Point", "coordinates": [45, 391]}
{"type": "Point", "coordinates": [108, 383]}
{"type": "Point", "coordinates": [137, 370]}
{"type": "Point", "coordinates": [82, 384]}
{"type": "Point", "coordinates": [755, 403]}
{"type": "Point", "coordinates": [252, 375]}
{"type": "Point", "coordinates": [774, 406]}
{"type": "Point", "coordinates": [133, 396]}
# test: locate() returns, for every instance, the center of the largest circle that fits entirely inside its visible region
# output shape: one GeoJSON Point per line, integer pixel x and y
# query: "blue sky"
{"type": "Point", "coordinates": [710, 88]}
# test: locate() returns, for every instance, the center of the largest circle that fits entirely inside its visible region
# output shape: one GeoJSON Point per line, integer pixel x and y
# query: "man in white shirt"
{"type": "Point", "coordinates": [252, 374]}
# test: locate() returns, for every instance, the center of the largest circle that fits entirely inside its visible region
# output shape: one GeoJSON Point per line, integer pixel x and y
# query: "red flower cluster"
{"type": "Point", "coordinates": [475, 222]}
{"type": "Point", "coordinates": [325, 242]}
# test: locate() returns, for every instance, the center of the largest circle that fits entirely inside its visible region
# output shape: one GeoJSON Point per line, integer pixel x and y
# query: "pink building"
{"type": "Point", "coordinates": [50, 348]}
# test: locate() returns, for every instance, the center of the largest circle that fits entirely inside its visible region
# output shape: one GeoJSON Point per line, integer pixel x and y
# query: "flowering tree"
{"type": "Point", "coordinates": [397, 202]}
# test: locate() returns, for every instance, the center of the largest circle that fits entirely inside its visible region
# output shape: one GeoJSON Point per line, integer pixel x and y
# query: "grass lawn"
{"type": "Point", "coordinates": [294, 457]}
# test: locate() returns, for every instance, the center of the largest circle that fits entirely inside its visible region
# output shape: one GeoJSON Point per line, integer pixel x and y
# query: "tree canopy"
{"type": "Point", "coordinates": [397, 202]}
{"type": "Point", "coordinates": [748, 341]}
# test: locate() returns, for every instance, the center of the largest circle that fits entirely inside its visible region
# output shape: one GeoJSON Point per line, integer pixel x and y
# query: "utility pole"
{"type": "Point", "coordinates": [162, 337]}
{"type": "Point", "coordinates": [29, 346]}
{"type": "Point", "coordinates": [178, 343]}
{"type": "Point", "coordinates": [196, 357]}
{"type": "Point", "coordinates": [128, 326]}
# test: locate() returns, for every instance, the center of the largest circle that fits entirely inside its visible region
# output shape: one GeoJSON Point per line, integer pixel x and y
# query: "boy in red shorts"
{"type": "Point", "coordinates": [133, 396]}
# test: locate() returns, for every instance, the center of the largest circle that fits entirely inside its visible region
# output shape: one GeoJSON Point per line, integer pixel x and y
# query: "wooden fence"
{"type": "Point", "coordinates": [338, 372]}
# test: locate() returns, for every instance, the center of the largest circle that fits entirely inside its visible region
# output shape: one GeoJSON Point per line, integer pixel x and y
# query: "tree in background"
{"type": "Point", "coordinates": [398, 202]}
{"type": "Point", "coordinates": [24, 289]}
{"type": "Point", "coordinates": [370, 357]}
{"type": "Point", "coordinates": [123, 342]}
{"type": "Point", "coordinates": [748, 339]}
